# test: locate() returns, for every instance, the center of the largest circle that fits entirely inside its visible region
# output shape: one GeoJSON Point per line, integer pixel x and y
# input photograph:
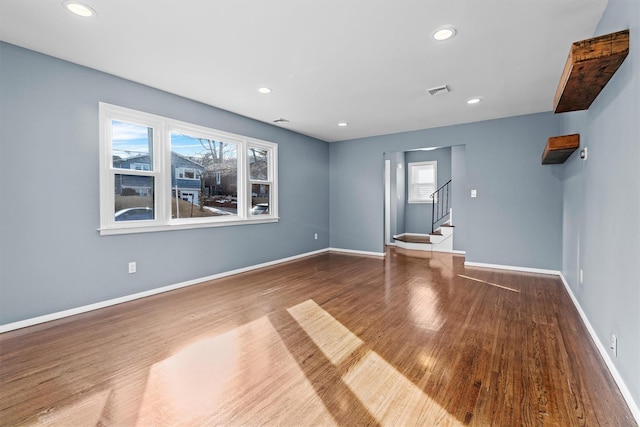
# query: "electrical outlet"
{"type": "Point", "coordinates": [132, 267]}
{"type": "Point", "coordinates": [581, 276]}
{"type": "Point", "coordinates": [614, 345]}
{"type": "Point", "coordinates": [315, 236]}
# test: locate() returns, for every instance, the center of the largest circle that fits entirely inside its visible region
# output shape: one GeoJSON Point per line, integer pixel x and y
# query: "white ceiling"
{"type": "Point", "coordinates": [366, 62]}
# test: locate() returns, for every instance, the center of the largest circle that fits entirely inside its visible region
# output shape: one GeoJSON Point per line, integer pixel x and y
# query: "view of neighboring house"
{"type": "Point", "coordinates": [186, 177]}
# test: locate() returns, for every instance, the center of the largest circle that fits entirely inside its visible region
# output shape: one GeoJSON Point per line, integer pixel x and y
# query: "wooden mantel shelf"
{"type": "Point", "coordinates": [559, 148]}
{"type": "Point", "coordinates": [590, 66]}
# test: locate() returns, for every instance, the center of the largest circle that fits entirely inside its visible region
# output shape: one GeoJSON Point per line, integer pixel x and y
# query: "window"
{"type": "Point", "coordinates": [260, 179]}
{"type": "Point", "coordinates": [422, 181]}
{"type": "Point", "coordinates": [162, 174]}
{"type": "Point", "coordinates": [188, 173]}
{"type": "Point", "coordinates": [207, 165]}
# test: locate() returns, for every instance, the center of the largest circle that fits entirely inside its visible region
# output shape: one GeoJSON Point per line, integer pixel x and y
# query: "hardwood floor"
{"type": "Point", "coordinates": [327, 340]}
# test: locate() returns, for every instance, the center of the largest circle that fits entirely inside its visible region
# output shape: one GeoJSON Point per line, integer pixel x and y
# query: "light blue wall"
{"type": "Point", "coordinates": [418, 216]}
{"type": "Point", "coordinates": [401, 193]}
{"type": "Point", "coordinates": [396, 192]}
{"type": "Point", "coordinates": [356, 209]}
{"type": "Point", "coordinates": [51, 256]}
{"type": "Point", "coordinates": [459, 199]}
{"type": "Point", "coordinates": [516, 220]}
{"type": "Point", "coordinates": [602, 203]}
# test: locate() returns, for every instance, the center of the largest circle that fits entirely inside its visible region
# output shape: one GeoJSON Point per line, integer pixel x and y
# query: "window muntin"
{"type": "Point", "coordinates": [260, 179]}
{"type": "Point", "coordinates": [180, 175]}
{"type": "Point", "coordinates": [422, 177]}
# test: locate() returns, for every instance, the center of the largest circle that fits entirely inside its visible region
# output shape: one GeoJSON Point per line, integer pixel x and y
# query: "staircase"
{"type": "Point", "coordinates": [441, 238]}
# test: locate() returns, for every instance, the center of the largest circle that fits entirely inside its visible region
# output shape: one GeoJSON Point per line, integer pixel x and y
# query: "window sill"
{"type": "Point", "coordinates": [184, 226]}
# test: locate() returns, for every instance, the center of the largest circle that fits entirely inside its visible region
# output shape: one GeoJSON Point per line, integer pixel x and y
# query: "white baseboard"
{"type": "Point", "coordinates": [354, 252]}
{"type": "Point", "coordinates": [86, 308]}
{"type": "Point", "coordinates": [455, 251]}
{"type": "Point", "coordinates": [513, 268]}
{"type": "Point", "coordinates": [633, 406]}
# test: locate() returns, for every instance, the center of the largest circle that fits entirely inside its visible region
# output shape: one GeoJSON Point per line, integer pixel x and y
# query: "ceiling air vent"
{"type": "Point", "coordinates": [438, 90]}
{"type": "Point", "coordinates": [281, 120]}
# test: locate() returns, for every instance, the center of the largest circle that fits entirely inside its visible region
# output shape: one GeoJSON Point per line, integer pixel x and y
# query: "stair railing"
{"type": "Point", "coordinates": [441, 204]}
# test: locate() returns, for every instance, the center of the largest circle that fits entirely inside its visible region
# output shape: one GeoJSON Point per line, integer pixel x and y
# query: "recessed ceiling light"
{"type": "Point", "coordinates": [474, 100]}
{"type": "Point", "coordinates": [444, 33]}
{"type": "Point", "coordinates": [264, 90]}
{"type": "Point", "coordinates": [79, 9]}
{"type": "Point", "coordinates": [343, 124]}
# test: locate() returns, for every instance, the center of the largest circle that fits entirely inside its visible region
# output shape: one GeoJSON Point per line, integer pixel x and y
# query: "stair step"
{"type": "Point", "coordinates": [447, 225]}
{"type": "Point", "coordinates": [414, 239]}
{"type": "Point", "coordinates": [436, 233]}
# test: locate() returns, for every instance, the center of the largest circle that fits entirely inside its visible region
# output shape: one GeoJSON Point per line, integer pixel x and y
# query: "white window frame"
{"type": "Point", "coordinates": [270, 180]}
{"type": "Point", "coordinates": [161, 173]}
{"type": "Point", "coordinates": [414, 194]}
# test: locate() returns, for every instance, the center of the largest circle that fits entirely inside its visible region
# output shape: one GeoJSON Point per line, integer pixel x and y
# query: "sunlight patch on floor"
{"type": "Point", "coordinates": [386, 394]}
{"type": "Point", "coordinates": [427, 361]}
{"type": "Point", "coordinates": [335, 340]}
{"type": "Point", "coordinates": [203, 383]}
{"type": "Point", "coordinates": [192, 381]}
{"type": "Point", "coordinates": [88, 411]}
{"type": "Point", "coordinates": [444, 264]}
{"type": "Point", "coordinates": [424, 308]}
{"type": "Point", "coordinates": [391, 398]}
{"type": "Point", "coordinates": [489, 283]}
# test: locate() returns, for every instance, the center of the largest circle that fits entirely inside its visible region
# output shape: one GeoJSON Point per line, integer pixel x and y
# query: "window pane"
{"type": "Point", "coordinates": [204, 177]}
{"type": "Point", "coordinates": [425, 175]}
{"type": "Point", "coordinates": [258, 164]}
{"type": "Point", "coordinates": [423, 192]}
{"type": "Point", "coordinates": [131, 146]}
{"type": "Point", "coordinates": [133, 198]}
{"type": "Point", "coordinates": [260, 199]}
